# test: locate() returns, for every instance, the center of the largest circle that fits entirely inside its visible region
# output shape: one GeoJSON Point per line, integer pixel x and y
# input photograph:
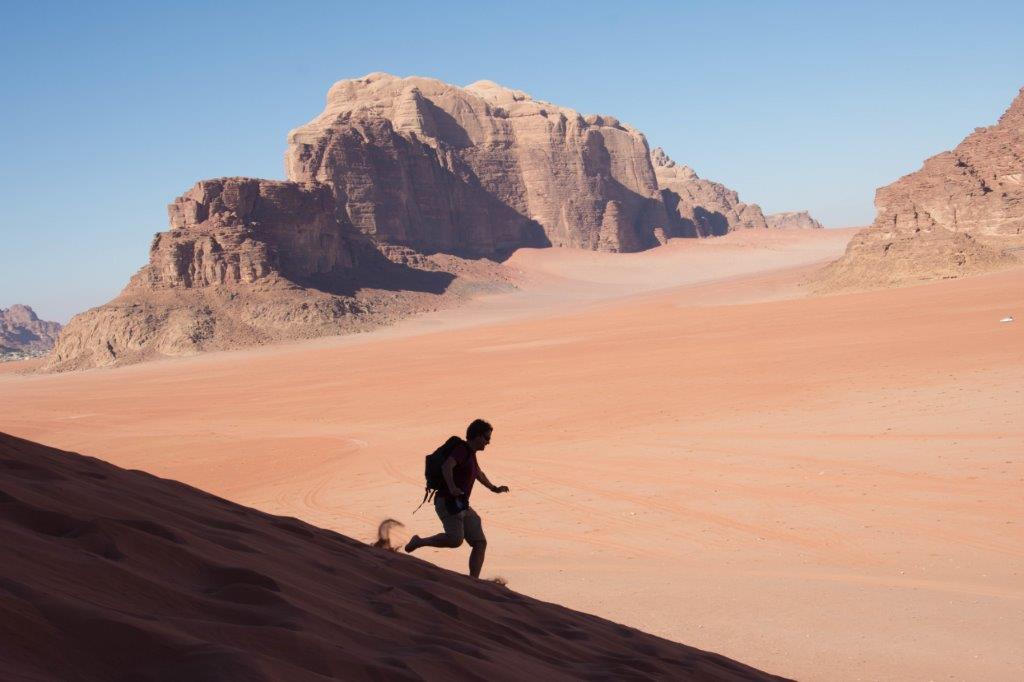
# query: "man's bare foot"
{"type": "Point", "coordinates": [413, 544]}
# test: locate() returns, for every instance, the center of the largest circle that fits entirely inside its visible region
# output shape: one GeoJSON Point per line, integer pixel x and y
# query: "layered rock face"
{"type": "Point", "coordinates": [250, 261]}
{"type": "Point", "coordinates": [698, 207]}
{"type": "Point", "coordinates": [247, 231]}
{"type": "Point", "coordinates": [961, 214]}
{"type": "Point", "coordinates": [21, 330]}
{"type": "Point", "coordinates": [478, 170]}
{"type": "Point", "coordinates": [792, 220]}
{"type": "Point", "coordinates": [976, 188]}
{"type": "Point", "coordinates": [230, 272]}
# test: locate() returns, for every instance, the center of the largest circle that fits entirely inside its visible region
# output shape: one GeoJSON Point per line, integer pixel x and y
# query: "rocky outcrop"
{"type": "Point", "coordinates": [401, 196]}
{"type": "Point", "coordinates": [21, 331]}
{"type": "Point", "coordinates": [977, 188]}
{"type": "Point", "coordinates": [698, 207]}
{"type": "Point", "coordinates": [480, 170]}
{"type": "Point", "coordinates": [878, 258]}
{"type": "Point", "coordinates": [248, 262]}
{"type": "Point", "coordinates": [244, 231]}
{"type": "Point", "coordinates": [237, 268]}
{"type": "Point", "coordinates": [962, 213]}
{"type": "Point", "coordinates": [792, 220]}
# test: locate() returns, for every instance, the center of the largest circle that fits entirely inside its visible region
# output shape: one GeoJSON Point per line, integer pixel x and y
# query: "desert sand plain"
{"type": "Point", "coordinates": [827, 488]}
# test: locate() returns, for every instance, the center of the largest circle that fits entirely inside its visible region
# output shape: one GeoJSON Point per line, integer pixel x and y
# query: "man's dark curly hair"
{"type": "Point", "coordinates": [477, 427]}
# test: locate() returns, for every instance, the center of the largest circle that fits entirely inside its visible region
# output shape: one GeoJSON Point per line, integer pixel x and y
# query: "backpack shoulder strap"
{"type": "Point", "coordinates": [428, 495]}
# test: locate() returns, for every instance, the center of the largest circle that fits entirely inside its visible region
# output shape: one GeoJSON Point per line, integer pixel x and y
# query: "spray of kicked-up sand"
{"type": "Point", "coordinates": [384, 534]}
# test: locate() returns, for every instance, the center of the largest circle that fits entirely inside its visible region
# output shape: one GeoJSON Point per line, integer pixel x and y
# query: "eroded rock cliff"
{"type": "Point", "coordinates": [235, 231]}
{"type": "Point", "coordinates": [962, 213]}
{"type": "Point", "coordinates": [977, 188]}
{"type": "Point", "coordinates": [250, 261]}
{"type": "Point", "coordinates": [480, 170]}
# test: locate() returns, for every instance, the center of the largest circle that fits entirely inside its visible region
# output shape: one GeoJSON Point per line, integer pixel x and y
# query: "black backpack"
{"type": "Point", "coordinates": [432, 468]}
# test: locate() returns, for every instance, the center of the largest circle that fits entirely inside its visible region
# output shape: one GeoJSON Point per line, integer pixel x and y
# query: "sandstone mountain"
{"type": "Point", "coordinates": [962, 213]}
{"type": "Point", "coordinates": [22, 331]}
{"type": "Point", "coordinates": [403, 195]}
{"type": "Point", "coordinates": [480, 170]}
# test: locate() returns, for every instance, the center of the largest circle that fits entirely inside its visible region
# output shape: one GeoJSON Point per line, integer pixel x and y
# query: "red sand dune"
{"type": "Point", "coordinates": [828, 488]}
{"type": "Point", "coordinates": [114, 574]}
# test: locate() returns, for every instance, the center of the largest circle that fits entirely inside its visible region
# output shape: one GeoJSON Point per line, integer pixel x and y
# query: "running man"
{"type": "Point", "coordinates": [460, 521]}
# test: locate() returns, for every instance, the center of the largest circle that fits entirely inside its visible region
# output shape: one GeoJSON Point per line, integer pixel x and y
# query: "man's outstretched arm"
{"type": "Point", "coordinates": [482, 477]}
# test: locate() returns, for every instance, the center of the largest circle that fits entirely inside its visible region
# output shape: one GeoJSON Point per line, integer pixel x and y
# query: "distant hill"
{"type": "Point", "coordinates": [21, 331]}
{"type": "Point", "coordinates": [703, 208]}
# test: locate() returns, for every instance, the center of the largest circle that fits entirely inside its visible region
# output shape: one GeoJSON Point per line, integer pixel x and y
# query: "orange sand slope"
{"type": "Point", "coordinates": [115, 574]}
{"type": "Point", "coordinates": [828, 488]}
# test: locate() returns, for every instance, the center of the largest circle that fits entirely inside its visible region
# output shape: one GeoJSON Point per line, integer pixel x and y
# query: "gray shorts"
{"type": "Point", "coordinates": [465, 525]}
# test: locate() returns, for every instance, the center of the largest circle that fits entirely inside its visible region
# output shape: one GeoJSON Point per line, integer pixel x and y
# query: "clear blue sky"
{"type": "Point", "coordinates": [111, 109]}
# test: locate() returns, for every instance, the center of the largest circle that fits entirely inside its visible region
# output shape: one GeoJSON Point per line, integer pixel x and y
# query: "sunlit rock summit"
{"type": "Point", "coordinates": [477, 170]}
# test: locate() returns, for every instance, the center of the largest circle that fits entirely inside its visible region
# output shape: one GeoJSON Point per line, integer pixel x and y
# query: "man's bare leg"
{"type": "Point", "coordinates": [439, 540]}
{"type": "Point", "coordinates": [476, 559]}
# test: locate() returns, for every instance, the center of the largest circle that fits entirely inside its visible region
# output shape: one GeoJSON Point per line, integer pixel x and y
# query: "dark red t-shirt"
{"type": "Point", "coordinates": [464, 473]}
